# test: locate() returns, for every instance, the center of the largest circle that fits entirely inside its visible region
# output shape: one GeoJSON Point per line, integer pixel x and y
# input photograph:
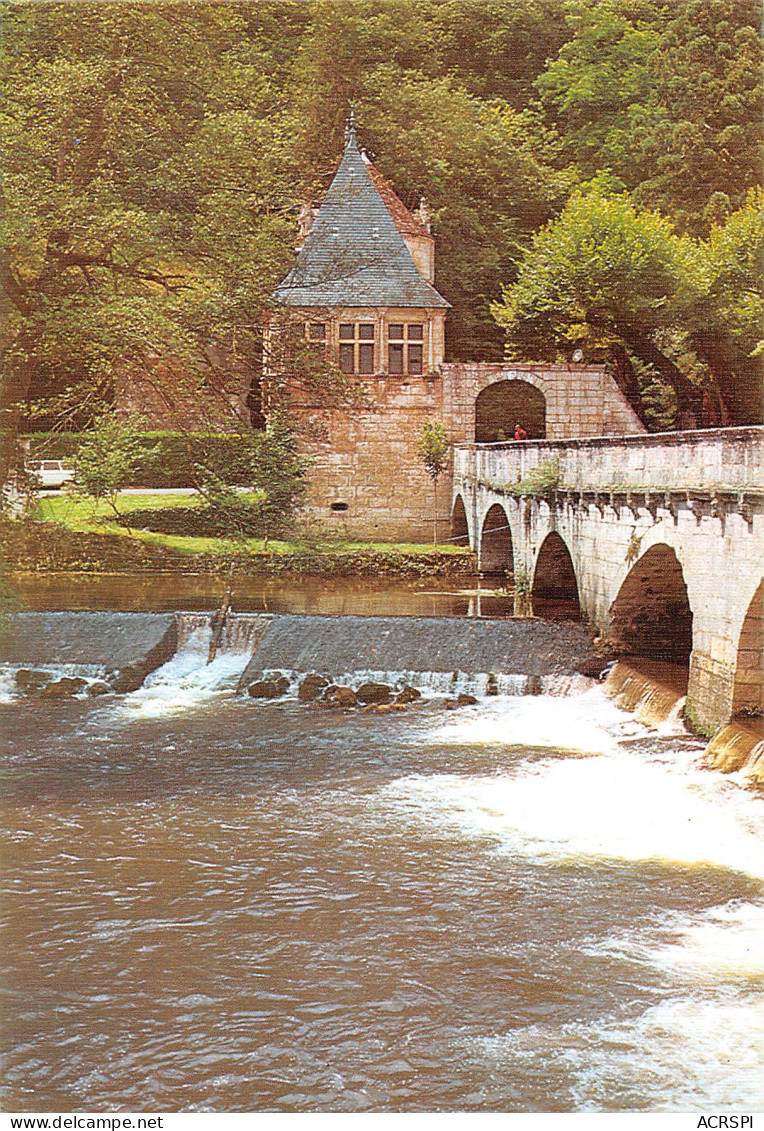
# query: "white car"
{"type": "Point", "coordinates": [50, 472]}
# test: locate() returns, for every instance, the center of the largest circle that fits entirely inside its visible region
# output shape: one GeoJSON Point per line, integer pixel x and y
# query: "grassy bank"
{"type": "Point", "coordinates": [71, 534]}
{"type": "Point", "coordinates": [85, 516]}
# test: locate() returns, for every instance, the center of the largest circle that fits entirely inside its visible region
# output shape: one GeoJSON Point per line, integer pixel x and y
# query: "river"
{"type": "Point", "coordinates": [212, 903]}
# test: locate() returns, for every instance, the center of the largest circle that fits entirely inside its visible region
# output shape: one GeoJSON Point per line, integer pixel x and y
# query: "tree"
{"type": "Point", "coordinates": [599, 87]}
{"type": "Point", "coordinates": [433, 451]}
{"type": "Point", "coordinates": [107, 459]}
{"type": "Point", "coordinates": [271, 464]}
{"type": "Point", "coordinates": [146, 168]}
{"type": "Point", "coordinates": [726, 321]}
{"type": "Point", "coordinates": [614, 279]}
{"type": "Point", "coordinates": [666, 96]}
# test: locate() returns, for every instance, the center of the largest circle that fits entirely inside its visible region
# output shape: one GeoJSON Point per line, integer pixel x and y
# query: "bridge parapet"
{"type": "Point", "coordinates": [649, 526]}
{"type": "Point", "coordinates": [718, 460]}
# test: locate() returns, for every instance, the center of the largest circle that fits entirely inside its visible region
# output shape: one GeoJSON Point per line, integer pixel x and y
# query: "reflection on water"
{"type": "Point", "coordinates": [246, 906]}
{"type": "Point", "coordinates": [341, 596]}
{"type": "Point", "coordinates": [163, 592]}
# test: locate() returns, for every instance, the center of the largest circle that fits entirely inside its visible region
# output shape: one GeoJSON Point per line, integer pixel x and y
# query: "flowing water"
{"type": "Point", "coordinates": [215, 903]}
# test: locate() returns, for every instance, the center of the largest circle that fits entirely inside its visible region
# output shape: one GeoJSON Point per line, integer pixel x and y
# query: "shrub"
{"type": "Point", "coordinates": [164, 459]}
{"type": "Point", "coordinates": [194, 522]}
{"type": "Point", "coordinates": [540, 481]}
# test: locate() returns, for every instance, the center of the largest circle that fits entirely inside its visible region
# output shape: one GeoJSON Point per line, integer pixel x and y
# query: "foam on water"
{"type": "Point", "coordinates": [185, 682]}
{"type": "Point", "coordinates": [587, 723]}
{"type": "Point", "coordinates": [725, 943]}
{"type": "Point", "coordinates": [10, 692]}
{"type": "Point", "coordinates": [703, 1045]}
{"type": "Point", "coordinates": [432, 683]}
{"type": "Point", "coordinates": [619, 806]}
{"type": "Point", "coordinates": [688, 1053]}
{"type": "Point", "coordinates": [7, 685]}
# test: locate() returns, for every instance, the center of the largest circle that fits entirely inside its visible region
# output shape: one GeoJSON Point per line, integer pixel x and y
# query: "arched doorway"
{"type": "Point", "coordinates": [748, 694]}
{"type": "Point", "coordinates": [651, 616]}
{"type": "Point", "coordinates": [460, 535]}
{"type": "Point", "coordinates": [499, 407]}
{"type": "Point", "coordinates": [555, 589]}
{"type": "Point", "coordinates": [496, 554]}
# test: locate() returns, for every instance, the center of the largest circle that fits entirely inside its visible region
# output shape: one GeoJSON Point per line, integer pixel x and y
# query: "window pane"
{"type": "Point", "coordinates": [366, 359]}
{"type": "Point", "coordinates": [317, 331]}
{"type": "Point", "coordinates": [366, 331]}
{"type": "Point", "coordinates": [347, 330]}
{"type": "Point", "coordinates": [415, 359]}
{"type": "Point", "coordinates": [395, 355]}
{"type": "Point", "coordinates": [416, 333]}
{"type": "Point", "coordinates": [346, 359]}
{"type": "Point", "coordinates": [395, 332]}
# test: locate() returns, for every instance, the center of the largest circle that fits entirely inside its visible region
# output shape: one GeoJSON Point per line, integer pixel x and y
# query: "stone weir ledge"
{"type": "Point", "coordinates": [132, 645]}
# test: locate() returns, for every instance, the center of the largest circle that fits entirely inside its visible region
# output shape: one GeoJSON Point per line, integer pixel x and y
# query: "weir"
{"type": "Point", "coordinates": [110, 640]}
{"type": "Point", "coordinates": [413, 644]}
{"type": "Point", "coordinates": [304, 643]}
{"type": "Point", "coordinates": [159, 653]}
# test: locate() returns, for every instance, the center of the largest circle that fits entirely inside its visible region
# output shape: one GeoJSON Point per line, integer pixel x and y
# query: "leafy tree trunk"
{"type": "Point", "coordinates": [626, 380]}
{"type": "Point", "coordinates": [435, 512]}
{"type": "Point", "coordinates": [689, 397]}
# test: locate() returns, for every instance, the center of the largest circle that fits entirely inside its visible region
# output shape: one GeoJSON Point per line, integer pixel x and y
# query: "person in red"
{"type": "Point", "coordinates": [520, 433]}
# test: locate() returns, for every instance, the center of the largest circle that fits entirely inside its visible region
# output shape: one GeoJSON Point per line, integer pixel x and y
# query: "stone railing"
{"type": "Point", "coordinates": [719, 461]}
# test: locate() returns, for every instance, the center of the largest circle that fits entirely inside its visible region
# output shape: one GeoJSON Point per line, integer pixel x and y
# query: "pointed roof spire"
{"type": "Point", "coordinates": [350, 126]}
{"type": "Point", "coordinates": [355, 255]}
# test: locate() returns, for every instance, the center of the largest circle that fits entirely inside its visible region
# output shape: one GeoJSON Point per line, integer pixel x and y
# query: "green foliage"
{"type": "Point", "coordinates": [155, 158]}
{"type": "Point", "coordinates": [218, 521]}
{"type": "Point", "coordinates": [274, 469]}
{"type": "Point", "coordinates": [168, 459]}
{"type": "Point", "coordinates": [522, 583]}
{"type": "Point", "coordinates": [619, 281]}
{"type": "Point", "coordinates": [146, 168]}
{"type": "Point", "coordinates": [667, 96]}
{"type": "Point", "coordinates": [541, 481]}
{"type": "Point", "coordinates": [433, 449]}
{"type": "Point", "coordinates": [107, 459]}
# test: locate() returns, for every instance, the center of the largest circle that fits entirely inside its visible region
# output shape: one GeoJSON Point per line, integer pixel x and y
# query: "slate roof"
{"type": "Point", "coordinates": [354, 255]}
{"type": "Point", "coordinates": [407, 223]}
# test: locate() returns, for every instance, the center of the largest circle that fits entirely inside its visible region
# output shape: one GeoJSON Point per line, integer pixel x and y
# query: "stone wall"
{"type": "Point", "coordinates": [368, 480]}
{"type": "Point", "coordinates": [749, 679]}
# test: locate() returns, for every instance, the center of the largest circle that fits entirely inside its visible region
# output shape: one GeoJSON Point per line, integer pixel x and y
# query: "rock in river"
{"type": "Point", "coordinates": [65, 687]}
{"type": "Point", "coordinates": [374, 693]}
{"type": "Point", "coordinates": [408, 695]}
{"type": "Point", "coordinates": [269, 688]}
{"type": "Point", "coordinates": [341, 697]}
{"type": "Point", "coordinates": [30, 680]}
{"type": "Point", "coordinates": [311, 687]}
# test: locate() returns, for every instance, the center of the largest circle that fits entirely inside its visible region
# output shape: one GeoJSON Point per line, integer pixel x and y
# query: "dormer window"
{"type": "Point", "coordinates": [357, 347]}
{"type": "Point", "coordinates": [405, 348]}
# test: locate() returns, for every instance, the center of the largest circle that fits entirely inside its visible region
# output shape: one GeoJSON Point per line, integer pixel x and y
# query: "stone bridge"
{"type": "Point", "coordinates": [658, 541]}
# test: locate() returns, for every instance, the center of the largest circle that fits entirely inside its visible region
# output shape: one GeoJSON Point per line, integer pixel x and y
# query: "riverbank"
{"type": "Point", "coordinates": [45, 547]}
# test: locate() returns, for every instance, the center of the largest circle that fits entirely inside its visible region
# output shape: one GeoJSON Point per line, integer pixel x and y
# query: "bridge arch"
{"type": "Point", "coordinates": [651, 614]}
{"type": "Point", "coordinates": [554, 578]}
{"type": "Point", "coordinates": [460, 531]}
{"type": "Point", "coordinates": [496, 549]}
{"type": "Point", "coordinates": [502, 405]}
{"type": "Point", "coordinates": [748, 690]}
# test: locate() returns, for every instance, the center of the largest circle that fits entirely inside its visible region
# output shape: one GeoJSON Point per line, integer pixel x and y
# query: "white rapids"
{"type": "Point", "coordinates": [703, 1045]}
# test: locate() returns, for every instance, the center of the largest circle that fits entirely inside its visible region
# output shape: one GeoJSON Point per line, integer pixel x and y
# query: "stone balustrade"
{"type": "Point", "coordinates": [718, 460]}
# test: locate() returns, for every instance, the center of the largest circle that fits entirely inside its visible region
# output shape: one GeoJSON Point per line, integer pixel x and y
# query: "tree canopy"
{"type": "Point", "coordinates": [620, 282]}
{"type": "Point", "coordinates": [156, 157]}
